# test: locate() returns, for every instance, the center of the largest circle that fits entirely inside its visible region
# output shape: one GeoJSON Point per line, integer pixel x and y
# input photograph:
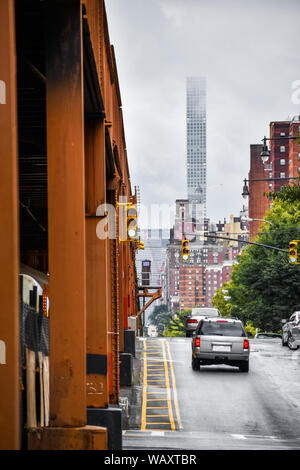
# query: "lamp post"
{"type": "Point", "coordinates": [265, 153]}
{"type": "Point", "coordinates": [246, 193]}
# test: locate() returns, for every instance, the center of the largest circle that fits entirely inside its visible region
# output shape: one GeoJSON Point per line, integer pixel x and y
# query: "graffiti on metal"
{"type": "Point", "coordinates": [95, 388]}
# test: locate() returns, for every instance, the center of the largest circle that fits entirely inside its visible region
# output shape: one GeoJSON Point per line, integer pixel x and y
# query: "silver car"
{"type": "Point", "coordinates": [220, 341]}
{"type": "Point", "coordinates": [291, 331]}
{"type": "Point", "coordinates": [197, 314]}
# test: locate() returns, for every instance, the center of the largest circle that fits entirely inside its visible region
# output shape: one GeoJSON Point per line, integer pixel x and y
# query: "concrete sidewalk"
{"type": "Point", "coordinates": [131, 396]}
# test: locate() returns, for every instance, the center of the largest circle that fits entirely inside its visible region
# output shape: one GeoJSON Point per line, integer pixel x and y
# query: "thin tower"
{"type": "Point", "coordinates": [196, 148]}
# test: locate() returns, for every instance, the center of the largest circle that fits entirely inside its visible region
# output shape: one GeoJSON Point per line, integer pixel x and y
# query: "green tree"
{"type": "Point", "coordinates": [158, 309]}
{"type": "Point", "coordinates": [219, 301]}
{"type": "Point", "coordinates": [265, 287]}
{"type": "Point", "coordinates": [176, 327]}
{"type": "Point", "coordinates": [162, 320]}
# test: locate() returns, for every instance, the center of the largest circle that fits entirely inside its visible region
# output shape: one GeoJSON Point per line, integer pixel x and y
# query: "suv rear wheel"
{"type": "Point", "coordinates": [195, 364]}
{"type": "Point", "coordinates": [244, 366]}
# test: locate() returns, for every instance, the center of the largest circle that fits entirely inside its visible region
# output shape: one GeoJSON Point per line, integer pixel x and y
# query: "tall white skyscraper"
{"type": "Point", "coordinates": [196, 146]}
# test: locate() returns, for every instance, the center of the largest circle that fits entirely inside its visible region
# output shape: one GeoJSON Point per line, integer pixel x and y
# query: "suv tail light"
{"type": "Point", "coordinates": [197, 342]}
{"type": "Point", "coordinates": [191, 320]}
{"type": "Point", "coordinates": [246, 344]}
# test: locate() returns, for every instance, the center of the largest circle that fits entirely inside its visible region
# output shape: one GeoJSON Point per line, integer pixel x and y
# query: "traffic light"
{"type": "Point", "coordinates": [293, 252]}
{"type": "Point", "coordinates": [131, 222]}
{"type": "Point", "coordinates": [140, 245]}
{"type": "Point", "coordinates": [185, 250]}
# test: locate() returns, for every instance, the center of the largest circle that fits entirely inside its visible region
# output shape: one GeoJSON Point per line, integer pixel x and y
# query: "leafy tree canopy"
{"type": "Point", "coordinates": [265, 287]}
{"type": "Point", "coordinates": [176, 327]}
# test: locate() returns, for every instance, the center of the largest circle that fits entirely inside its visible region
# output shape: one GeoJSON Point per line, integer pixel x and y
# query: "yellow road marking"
{"type": "Point", "coordinates": [168, 386]}
{"type": "Point", "coordinates": [157, 407]}
{"type": "Point", "coordinates": [143, 418]}
{"type": "Point", "coordinates": [161, 424]}
{"type": "Point", "coordinates": [174, 388]}
{"type": "Point", "coordinates": [154, 363]}
{"type": "Point", "coordinates": [156, 399]}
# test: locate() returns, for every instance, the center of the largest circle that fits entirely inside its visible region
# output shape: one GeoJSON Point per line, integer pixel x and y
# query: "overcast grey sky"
{"type": "Point", "coordinates": [249, 53]}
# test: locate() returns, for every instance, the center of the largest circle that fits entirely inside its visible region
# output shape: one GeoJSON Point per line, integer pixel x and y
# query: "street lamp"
{"type": "Point", "coordinates": [246, 193]}
{"type": "Point", "coordinates": [265, 153]}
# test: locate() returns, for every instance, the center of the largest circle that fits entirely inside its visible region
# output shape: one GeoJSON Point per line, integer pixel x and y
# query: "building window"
{"type": "Point", "coordinates": [282, 148]}
{"type": "Point", "coordinates": [282, 161]}
{"type": "Point", "coordinates": [282, 174]}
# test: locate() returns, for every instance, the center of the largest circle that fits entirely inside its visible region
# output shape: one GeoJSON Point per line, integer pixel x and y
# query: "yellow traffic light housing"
{"type": "Point", "coordinates": [131, 222]}
{"type": "Point", "coordinates": [293, 252]}
{"type": "Point", "coordinates": [185, 250]}
{"type": "Point", "coordinates": [128, 227]}
{"type": "Point", "coordinates": [140, 245]}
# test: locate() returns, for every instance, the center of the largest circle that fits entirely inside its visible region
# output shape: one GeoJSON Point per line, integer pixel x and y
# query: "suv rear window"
{"type": "Point", "coordinates": [220, 329]}
{"type": "Point", "coordinates": [206, 312]}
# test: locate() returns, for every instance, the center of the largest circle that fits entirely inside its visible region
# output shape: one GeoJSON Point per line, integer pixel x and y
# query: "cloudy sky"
{"type": "Point", "coordinates": [249, 53]}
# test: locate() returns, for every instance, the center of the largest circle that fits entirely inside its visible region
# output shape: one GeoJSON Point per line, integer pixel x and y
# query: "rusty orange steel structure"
{"type": "Point", "coordinates": [62, 127]}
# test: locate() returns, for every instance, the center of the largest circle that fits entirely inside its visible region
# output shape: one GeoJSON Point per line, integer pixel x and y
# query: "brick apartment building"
{"type": "Point", "coordinates": [284, 163]}
{"type": "Point", "coordinates": [258, 203]}
{"type": "Point", "coordinates": [191, 286]}
{"type": "Point", "coordinates": [215, 277]}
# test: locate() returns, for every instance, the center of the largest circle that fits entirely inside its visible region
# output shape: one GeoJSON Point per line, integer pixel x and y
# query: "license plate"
{"type": "Point", "coordinates": [220, 348]}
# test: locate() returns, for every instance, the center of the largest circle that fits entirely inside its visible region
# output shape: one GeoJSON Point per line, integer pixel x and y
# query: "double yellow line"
{"type": "Point", "coordinates": [161, 362]}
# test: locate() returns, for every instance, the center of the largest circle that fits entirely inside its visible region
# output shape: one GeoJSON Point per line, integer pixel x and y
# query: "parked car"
{"type": "Point", "coordinates": [197, 314]}
{"type": "Point", "coordinates": [220, 341]}
{"type": "Point", "coordinates": [266, 335]}
{"type": "Point", "coordinates": [291, 331]}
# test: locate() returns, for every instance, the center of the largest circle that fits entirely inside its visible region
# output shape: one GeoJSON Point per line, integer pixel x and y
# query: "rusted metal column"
{"type": "Point", "coordinates": [96, 263]}
{"type": "Point", "coordinates": [115, 310]}
{"type": "Point", "coordinates": [9, 245]}
{"type": "Point", "coordinates": [66, 202]}
{"type": "Point", "coordinates": [122, 292]}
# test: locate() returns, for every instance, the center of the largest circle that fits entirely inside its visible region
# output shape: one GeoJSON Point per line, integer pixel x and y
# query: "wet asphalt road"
{"type": "Point", "coordinates": [218, 407]}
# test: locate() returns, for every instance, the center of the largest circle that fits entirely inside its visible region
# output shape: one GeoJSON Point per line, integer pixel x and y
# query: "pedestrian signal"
{"type": "Point", "coordinates": [185, 250]}
{"type": "Point", "coordinates": [293, 252]}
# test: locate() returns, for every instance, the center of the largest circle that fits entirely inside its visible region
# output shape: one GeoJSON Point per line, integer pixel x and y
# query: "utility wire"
{"type": "Point", "coordinates": [247, 242]}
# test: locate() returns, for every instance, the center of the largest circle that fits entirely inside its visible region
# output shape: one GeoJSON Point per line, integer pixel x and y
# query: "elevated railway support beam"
{"type": "Point", "coordinates": [9, 239]}
{"type": "Point", "coordinates": [67, 241]}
